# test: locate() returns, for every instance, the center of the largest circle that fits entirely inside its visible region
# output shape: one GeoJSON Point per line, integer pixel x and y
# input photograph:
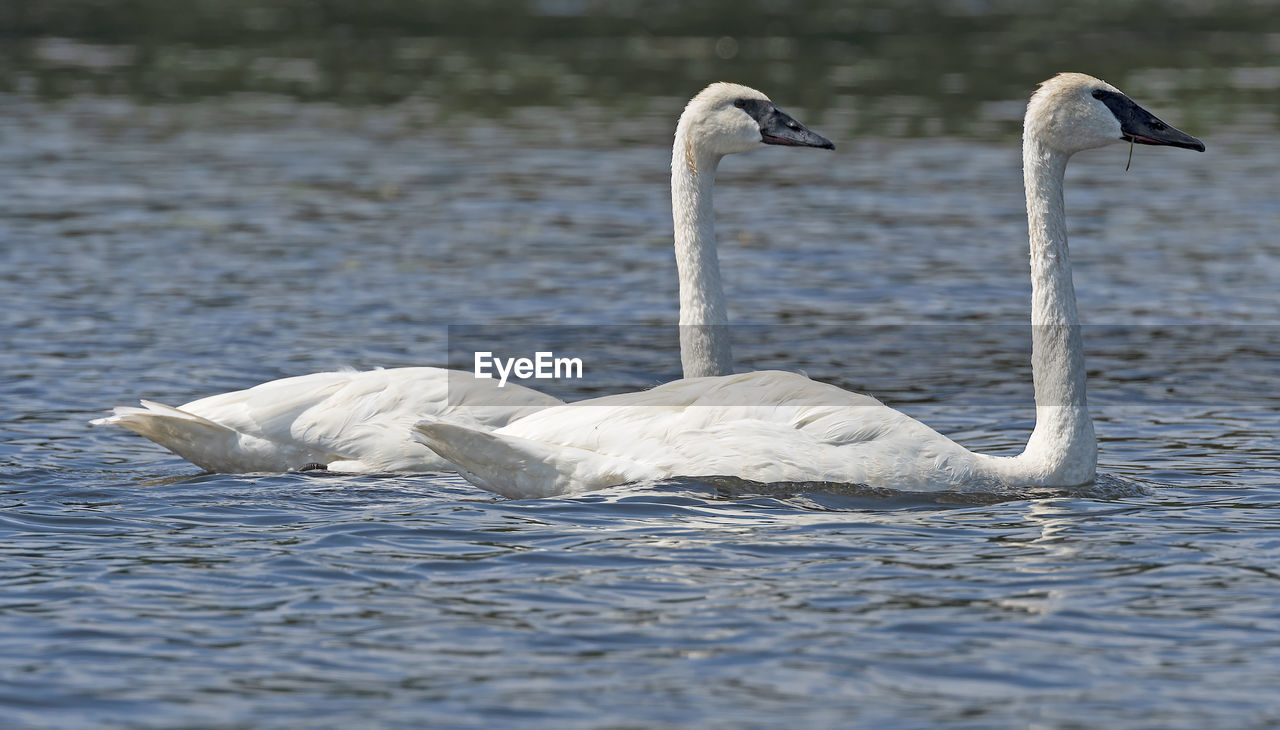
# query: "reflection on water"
{"type": "Point", "coordinates": [924, 68]}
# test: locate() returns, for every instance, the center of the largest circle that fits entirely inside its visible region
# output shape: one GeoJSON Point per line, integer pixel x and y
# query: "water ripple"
{"type": "Point", "coordinates": [223, 252]}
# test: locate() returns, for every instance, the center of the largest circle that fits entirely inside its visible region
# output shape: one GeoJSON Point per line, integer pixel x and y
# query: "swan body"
{"type": "Point", "coordinates": [362, 421]}
{"type": "Point", "coordinates": [347, 421]}
{"type": "Point", "coordinates": [767, 426]}
{"type": "Point", "coordinates": [782, 427]}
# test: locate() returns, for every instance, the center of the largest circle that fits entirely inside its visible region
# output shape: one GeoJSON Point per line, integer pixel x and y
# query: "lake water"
{"type": "Point", "coordinates": [179, 248]}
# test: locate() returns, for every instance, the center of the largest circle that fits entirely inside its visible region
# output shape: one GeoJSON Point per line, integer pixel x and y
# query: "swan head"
{"type": "Point", "coordinates": [727, 118]}
{"type": "Point", "coordinates": [1072, 112]}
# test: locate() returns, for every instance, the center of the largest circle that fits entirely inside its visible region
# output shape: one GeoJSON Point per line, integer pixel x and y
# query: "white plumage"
{"type": "Point", "coordinates": [348, 421]}
{"type": "Point", "coordinates": [361, 421]}
{"type": "Point", "coordinates": [767, 426]}
{"type": "Point", "coordinates": [782, 427]}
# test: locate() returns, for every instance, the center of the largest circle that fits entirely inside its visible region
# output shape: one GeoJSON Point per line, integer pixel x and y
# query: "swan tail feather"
{"type": "Point", "coordinates": [205, 443]}
{"type": "Point", "coordinates": [519, 468]}
{"type": "Point", "coordinates": [151, 417]}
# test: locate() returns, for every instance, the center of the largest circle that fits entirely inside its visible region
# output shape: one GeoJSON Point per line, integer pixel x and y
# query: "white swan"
{"type": "Point", "coordinates": [781, 427]}
{"type": "Point", "coordinates": [361, 421]}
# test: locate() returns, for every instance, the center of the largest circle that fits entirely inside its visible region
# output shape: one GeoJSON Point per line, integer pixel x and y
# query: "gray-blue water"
{"type": "Point", "coordinates": [170, 251]}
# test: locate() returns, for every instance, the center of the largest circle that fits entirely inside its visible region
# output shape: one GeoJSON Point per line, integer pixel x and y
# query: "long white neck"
{"type": "Point", "coordinates": [704, 323]}
{"type": "Point", "coordinates": [1062, 449]}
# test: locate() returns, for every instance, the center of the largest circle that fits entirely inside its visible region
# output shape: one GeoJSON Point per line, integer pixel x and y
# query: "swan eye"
{"type": "Point", "coordinates": [740, 103]}
{"type": "Point", "coordinates": [1158, 125]}
{"type": "Point", "coordinates": [1097, 93]}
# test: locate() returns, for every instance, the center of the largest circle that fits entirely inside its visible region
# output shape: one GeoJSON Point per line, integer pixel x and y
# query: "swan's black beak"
{"type": "Point", "coordinates": [777, 127]}
{"type": "Point", "coordinates": [1141, 126]}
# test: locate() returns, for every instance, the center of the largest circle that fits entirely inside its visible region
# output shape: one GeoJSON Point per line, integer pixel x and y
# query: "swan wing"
{"type": "Point", "coordinates": [523, 468]}
{"type": "Point", "coordinates": [347, 420]}
{"type": "Point", "coordinates": [767, 426]}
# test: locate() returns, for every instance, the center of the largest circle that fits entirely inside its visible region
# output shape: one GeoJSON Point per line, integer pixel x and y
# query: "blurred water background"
{"type": "Point", "coordinates": [200, 196]}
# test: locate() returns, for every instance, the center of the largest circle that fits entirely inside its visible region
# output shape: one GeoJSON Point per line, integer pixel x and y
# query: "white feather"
{"type": "Point", "coordinates": [360, 421]}
{"type": "Point", "coordinates": [781, 427]}
{"type": "Point", "coordinates": [349, 421]}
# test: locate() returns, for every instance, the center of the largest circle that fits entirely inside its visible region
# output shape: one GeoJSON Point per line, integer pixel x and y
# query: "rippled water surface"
{"type": "Point", "coordinates": [174, 250]}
